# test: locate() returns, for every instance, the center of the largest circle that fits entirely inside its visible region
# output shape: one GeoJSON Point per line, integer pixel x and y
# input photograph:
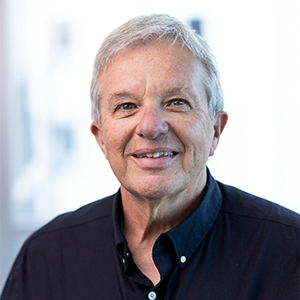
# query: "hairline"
{"type": "Point", "coordinates": [192, 42]}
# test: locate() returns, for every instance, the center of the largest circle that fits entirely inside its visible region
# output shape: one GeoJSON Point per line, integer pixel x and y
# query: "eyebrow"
{"type": "Point", "coordinates": [175, 91]}
{"type": "Point", "coordinates": [167, 93]}
{"type": "Point", "coordinates": [120, 95]}
{"type": "Point", "coordinates": [184, 90]}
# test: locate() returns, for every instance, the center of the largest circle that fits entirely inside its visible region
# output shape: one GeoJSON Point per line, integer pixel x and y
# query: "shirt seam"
{"type": "Point", "coordinates": [39, 234]}
{"type": "Point", "coordinates": [262, 219]}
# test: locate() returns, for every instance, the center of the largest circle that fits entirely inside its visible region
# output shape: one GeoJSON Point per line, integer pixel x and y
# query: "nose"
{"type": "Point", "coordinates": [152, 123]}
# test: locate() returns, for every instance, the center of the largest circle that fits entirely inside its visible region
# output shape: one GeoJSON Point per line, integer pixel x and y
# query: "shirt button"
{"type": "Point", "coordinates": [183, 259]}
{"type": "Point", "coordinates": [152, 295]}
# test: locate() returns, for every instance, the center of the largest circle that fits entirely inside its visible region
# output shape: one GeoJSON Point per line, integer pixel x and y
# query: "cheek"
{"type": "Point", "coordinates": [116, 137]}
{"type": "Point", "coordinates": [198, 137]}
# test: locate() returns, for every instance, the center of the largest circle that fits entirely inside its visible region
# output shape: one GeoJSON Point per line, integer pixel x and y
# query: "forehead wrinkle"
{"type": "Point", "coordinates": [132, 90]}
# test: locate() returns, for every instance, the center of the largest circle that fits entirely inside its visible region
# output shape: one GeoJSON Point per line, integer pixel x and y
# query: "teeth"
{"type": "Point", "coordinates": [156, 154]}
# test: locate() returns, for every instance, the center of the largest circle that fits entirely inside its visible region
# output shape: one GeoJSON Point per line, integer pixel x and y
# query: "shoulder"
{"type": "Point", "coordinates": [72, 243]}
{"type": "Point", "coordinates": [85, 216]}
{"type": "Point", "coordinates": [248, 206]}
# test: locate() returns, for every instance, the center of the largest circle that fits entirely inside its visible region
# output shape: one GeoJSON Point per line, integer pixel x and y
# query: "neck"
{"type": "Point", "coordinates": [146, 219]}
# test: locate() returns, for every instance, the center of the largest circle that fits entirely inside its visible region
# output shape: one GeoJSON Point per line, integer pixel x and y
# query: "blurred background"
{"type": "Point", "coordinates": [49, 161]}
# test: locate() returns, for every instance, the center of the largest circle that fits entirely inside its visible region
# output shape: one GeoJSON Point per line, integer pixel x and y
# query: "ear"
{"type": "Point", "coordinates": [96, 129]}
{"type": "Point", "coordinates": [220, 121]}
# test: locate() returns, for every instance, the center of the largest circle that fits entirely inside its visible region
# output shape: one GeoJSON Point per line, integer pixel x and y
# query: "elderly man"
{"type": "Point", "coordinates": [171, 231]}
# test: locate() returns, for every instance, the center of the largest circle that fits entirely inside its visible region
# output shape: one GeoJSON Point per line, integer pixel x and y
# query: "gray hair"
{"type": "Point", "coordinates": [146, 29]}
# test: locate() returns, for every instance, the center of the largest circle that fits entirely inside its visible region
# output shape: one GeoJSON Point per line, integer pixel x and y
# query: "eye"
{"type": "Point", "coordinates": [126, 106]}
{"type": "Point", "coordinates": [176, 102]}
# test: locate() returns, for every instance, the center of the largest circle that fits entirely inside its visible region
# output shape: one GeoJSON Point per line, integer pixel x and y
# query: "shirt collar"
{"type": "Point", "coordinates": [117, 216]}
{"type": "Point", "coordinates": [130, 269]}
{"type": "Point", "coordinates": [187, 235]}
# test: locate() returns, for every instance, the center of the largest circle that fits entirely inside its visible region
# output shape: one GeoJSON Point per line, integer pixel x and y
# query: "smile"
{"type": "Point", "coordinates": [155, 154]}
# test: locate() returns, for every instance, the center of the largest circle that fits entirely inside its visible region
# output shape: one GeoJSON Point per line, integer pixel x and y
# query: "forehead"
{"type": "Point", "coordinates": [160, 64]}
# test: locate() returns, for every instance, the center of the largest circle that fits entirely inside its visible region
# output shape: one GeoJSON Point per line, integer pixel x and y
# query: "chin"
{"type": "Point", "coordinates": [156, 191]}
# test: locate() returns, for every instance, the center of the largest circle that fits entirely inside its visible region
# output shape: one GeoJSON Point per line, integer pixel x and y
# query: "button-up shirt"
{"type": "Point", "coordinates": [232, 246]}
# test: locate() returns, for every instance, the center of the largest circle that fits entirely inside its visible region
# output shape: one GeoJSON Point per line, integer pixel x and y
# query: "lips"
{"type": "Point", "coordinates": [156, 154]}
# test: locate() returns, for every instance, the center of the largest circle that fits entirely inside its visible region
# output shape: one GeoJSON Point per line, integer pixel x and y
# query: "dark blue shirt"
{"type": "Point", "coordinates": [233, 246]}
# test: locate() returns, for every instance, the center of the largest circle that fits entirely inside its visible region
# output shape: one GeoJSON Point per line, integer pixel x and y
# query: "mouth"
{"type": "Point", "coordinates": [155, 154]}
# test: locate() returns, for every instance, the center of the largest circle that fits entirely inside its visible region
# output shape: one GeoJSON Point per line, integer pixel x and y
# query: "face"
{"type": "Point", "coordinates": [155, 129]}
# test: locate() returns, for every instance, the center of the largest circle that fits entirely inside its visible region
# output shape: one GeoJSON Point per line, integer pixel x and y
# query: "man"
{"type": "Point", "coordinates": [171, 231]}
